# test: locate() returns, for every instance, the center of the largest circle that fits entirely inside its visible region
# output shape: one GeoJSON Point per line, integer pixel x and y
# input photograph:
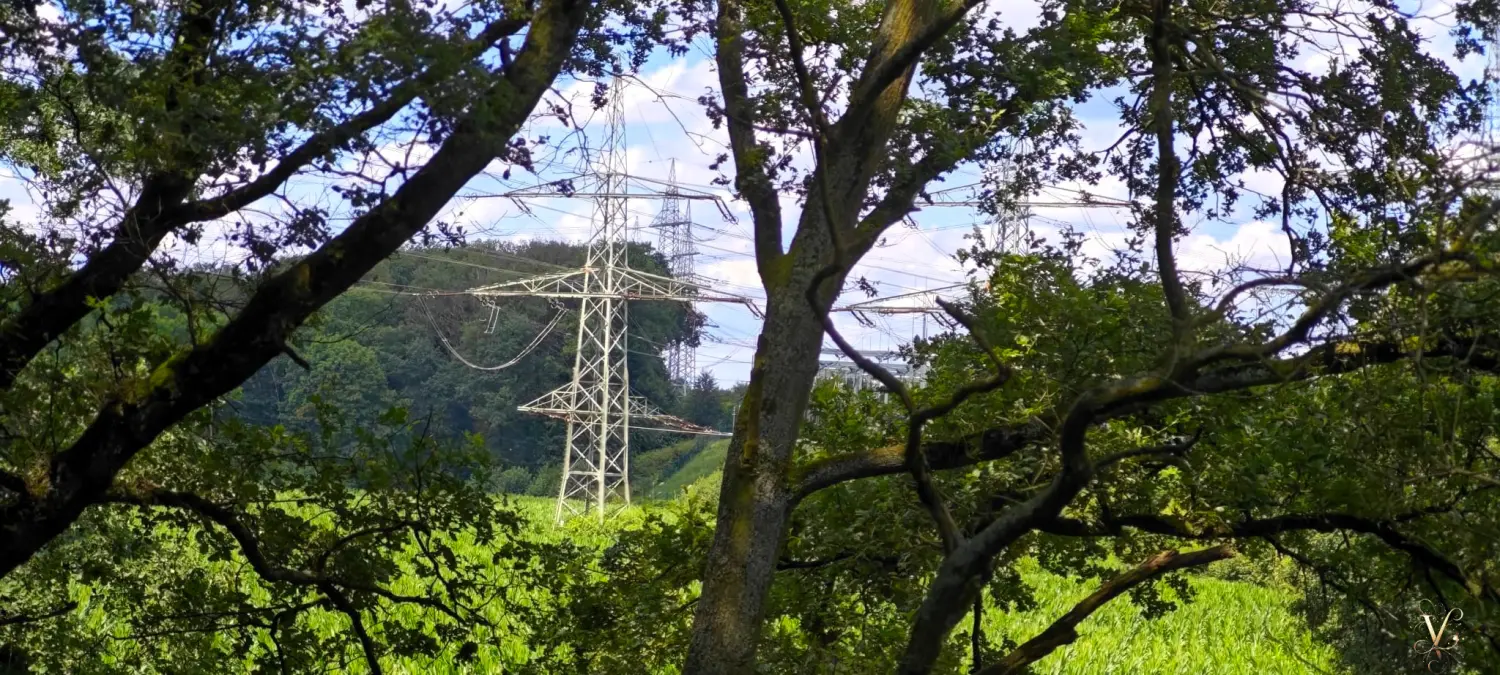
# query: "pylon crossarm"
{"type": "Point", "coordinates": [905, 303]}
{"type": "Point", "coordinates": [592, 185]}
{"type": "Point", "coordinates": [667, 288]}
{"type": "Point", "coordinates": [561, 404]}
{"type": "Point", "coordinates": [642, 410]}
{"type": "Point", "coordinates": [628, 284]}
{"type": "Point", "coordinates": [570, 281]}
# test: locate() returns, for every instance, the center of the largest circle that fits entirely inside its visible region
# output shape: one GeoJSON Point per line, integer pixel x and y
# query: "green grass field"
{"type": "Point", "coordinates": [703, 464]}
{"type": "Point", "coordinates": [1231, 628]}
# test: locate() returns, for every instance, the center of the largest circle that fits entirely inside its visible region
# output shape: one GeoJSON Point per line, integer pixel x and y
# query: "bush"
{"type": "Point", "coordinates": [545, 482]}
{"type": "Point", "coordinates": [515, 480]}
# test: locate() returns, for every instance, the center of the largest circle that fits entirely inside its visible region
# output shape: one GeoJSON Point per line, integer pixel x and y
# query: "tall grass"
{"type": "Point", "coordinates": [1231, 627]}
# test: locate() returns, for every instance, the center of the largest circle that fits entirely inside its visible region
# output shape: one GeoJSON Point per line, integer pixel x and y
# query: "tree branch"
{"type": "Point", "coordinates": [911, 180]}
{"type": "Point", "coordinates": [159, 210]}
{"type": "Point", "coordinates": [249, 547]}
{"type": "Point", "coordinates": [14, 483]}
{"type": "Point", "coordinates": [750, 156]}
{"type": "Point", "coordinates": [62, 609]}
{"type": "Point", "coordinates": [954, 586]}
{"type": "Point", "coordinates": [891, 62]}
{"type": "Point", "coordinates": [787, 564]}
{"type": "Point", "coordinates": [810, 101]}
{"type": "Point", "coordinates": [1000, 442]}
{"type": "Point", "coordinates": [356, 624]}
{"type": "Point", "coordinates": [1326, 577]}
{"type": "Point", "coordinates": [324, 142]}
{"type": "Point", "coordinates": [956, 583]}
{"type": "Point", "coordinates": [1176, 448]}
{"type": "Point", "coordinates": [984, 446]}
{"type": "Point", "coordinates": [1064, 631]}
{"type": "Point", "coordinates": [81, 474]}
{"type": "Point", "coordinates": [1165, 218]}
{"type": "Point", "coordinates": [1384, 530]}
{"type": "Point", "coordinates": [140, 230]}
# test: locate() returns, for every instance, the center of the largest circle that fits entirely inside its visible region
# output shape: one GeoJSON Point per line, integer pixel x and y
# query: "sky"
{"type": "Point", "coordinates": [665, 126]}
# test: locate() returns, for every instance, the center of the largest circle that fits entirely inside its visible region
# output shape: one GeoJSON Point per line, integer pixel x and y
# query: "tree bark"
{"type": "Point", "coordinates": [756, 495]}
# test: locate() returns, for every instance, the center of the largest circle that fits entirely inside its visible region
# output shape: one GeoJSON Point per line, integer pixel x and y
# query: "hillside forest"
{"type": "Point", "coordinates": [382, 346]}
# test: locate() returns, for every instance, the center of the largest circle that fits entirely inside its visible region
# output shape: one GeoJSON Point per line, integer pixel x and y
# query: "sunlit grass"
{"type": "Point", "coordinates": [1231, 627]}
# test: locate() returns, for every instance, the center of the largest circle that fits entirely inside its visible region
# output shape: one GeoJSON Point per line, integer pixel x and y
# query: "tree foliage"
{"type": "Point", "coordinates": [1123, 407]}
{"type": "Point", "coordinates": [291, 146]}
{"type": "Point", "coordinates": [1095, 417]}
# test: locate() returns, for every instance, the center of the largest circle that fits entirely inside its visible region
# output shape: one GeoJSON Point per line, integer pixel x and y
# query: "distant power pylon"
{"type": "Point", "coordinates": [597, 403]}
{"type": "Point", "coordinates": [674, 224]}
{"type": "Point", "coordinates": [1010, 228]}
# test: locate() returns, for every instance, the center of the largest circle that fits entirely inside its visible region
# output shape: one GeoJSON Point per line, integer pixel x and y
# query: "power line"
{"type": "Point", "coordinates": [525, 351]}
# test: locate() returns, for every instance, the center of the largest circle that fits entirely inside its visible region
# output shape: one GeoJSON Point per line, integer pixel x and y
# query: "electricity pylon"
{"type": "Point", "coordinates": [1010, 227]}
{"type": "Point", "coordinates": [597, 404]}
{"type": "Point", "coordinates": [674, 225]}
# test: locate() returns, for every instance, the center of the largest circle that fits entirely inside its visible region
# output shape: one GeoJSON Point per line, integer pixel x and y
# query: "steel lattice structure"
{"type": "Point", "coordinates": [597, 404]}
{"type": "Point", "coordinates": [674, 226]}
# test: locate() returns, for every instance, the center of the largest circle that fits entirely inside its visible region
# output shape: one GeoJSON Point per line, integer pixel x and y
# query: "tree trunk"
{"type": "Point", "coordinates": [756, 495]}
{"type": "Point", "coordinates": [757, 492]}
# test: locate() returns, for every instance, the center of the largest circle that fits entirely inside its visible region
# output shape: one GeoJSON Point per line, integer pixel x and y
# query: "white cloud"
{"type": "Point", "coordinates": [1257, 245]}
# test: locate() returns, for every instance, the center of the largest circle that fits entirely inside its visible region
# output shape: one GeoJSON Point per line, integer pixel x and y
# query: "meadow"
{"type": "Point", "coordinates": [1229, 628]}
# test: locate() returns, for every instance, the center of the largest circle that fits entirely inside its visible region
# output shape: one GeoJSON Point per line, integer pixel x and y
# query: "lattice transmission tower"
{"type": "Point", "coordinates": [1008, 231]}
{"type": "Point", "coordinates": [674, 226]}
{"type": "Point", "coordinates": [597, 403]}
